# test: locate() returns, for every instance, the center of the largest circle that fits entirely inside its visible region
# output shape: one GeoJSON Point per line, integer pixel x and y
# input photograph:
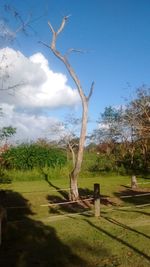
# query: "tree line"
{"type": "Point", "coordinates": [123, 133]}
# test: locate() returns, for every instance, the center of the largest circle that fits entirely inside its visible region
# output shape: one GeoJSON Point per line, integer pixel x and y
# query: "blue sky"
{"type": "Point", "coordinates": [114, 34]}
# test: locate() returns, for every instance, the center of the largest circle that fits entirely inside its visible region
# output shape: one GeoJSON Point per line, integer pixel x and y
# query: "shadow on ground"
{"type": "Point", "coordinates": [85, 203]}
{"type": "Point", "coordinates": [28, 243]}
{"type": "Point", "coordinates": [118, 239]}
{"type": "Point", "coordinates": [143, 198]}
{"type": "Point", "coordinates": [124, 226]}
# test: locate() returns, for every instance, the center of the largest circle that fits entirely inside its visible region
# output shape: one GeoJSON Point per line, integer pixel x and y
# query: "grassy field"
{"type": "Point", "coordinates": [69, 235]}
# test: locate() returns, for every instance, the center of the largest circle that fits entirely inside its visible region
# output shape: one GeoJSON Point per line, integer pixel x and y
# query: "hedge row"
{"type": "Point", "coordinates": [26, 157]}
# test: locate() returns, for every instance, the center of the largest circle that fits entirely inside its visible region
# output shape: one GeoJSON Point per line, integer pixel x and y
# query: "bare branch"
{"type": "Point", "coordinates": [62, 24]}
{"type": "Point", "coordinates": [12, 87]}
{"type": "Point", "coordinates": [51, 28]}
{"type": "Point", "coordinates": [64, 59]}
{"type": "Point", "coordinates": [41, 42]}
{"type": "Point", "coordinates": [91, 90]}
{"type": "Point", "coordinates": [23, 25]}
{"type": "Point", "coordinates": [70, 50]}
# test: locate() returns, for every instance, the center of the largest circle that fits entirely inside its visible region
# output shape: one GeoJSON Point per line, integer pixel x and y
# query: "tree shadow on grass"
{"type": "Point", "coordinates": [59, 204]}
{"type": "Point", "coordinates": [85, 202]}
{"type": "Point", "coordinates": [115, 222]}
{"type": "Point", "coordinates": [29, 243]}
{"type": "Point", "coordinates": [146, 177]}
{"type": "Point", "coordinates": [105, 199]}
{"type": "Point", "coordinates": [136, 211]}
{"type": "Point", "coordinates": [73, 207]}
{"type": "Point", "coordinates": [63, 198]}
{"type": "Point", "coordinates": [130, 196]}
{"type": "Point", "coordinates": [62, 192]}
{"type": "Point", "coordinates": [118, 239]}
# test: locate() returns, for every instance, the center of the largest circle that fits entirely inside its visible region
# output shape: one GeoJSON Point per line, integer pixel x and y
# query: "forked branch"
{"type": "Point", "coordinates": [65, 60]}
{"type": "Point", "coordinates": [55, 34]}
{"type": "Point", "coordinates": [62, 24]}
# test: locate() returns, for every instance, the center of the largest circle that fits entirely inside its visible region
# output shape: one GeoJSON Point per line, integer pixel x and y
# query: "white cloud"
{"type": "Point", "coordinates": [41, 88]}
{"type": "Point", "coordinates": [29, 126]}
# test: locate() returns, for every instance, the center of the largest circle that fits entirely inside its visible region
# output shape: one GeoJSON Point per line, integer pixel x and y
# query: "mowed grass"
{"type": "Point", "coordinates": [69, 235]}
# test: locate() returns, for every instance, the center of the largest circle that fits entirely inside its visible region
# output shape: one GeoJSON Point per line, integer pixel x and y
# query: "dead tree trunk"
{"type": "Point", "coordinates": [73, 154]}
{"type": "Point", "coordinates": [74, 194]}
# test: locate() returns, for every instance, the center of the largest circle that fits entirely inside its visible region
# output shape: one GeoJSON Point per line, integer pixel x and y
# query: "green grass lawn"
{"type": "Point", "coordinates": [69, 235]}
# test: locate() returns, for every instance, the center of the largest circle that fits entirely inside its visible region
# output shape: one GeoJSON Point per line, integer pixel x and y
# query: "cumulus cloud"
{"type": "Point", "coordinates": [29, 126]}
{"type": "Point", "coordinates": [39, 88]}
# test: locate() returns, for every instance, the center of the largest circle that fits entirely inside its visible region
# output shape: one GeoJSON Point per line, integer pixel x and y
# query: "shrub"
{"type": "Point", "coordinates": [29, 156]}
{"type": "Point", "coordinates": [103, 163]}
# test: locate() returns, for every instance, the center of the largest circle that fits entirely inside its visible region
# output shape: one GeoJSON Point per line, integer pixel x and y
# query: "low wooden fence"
{"type": "Point", "coordinates": [96, 199]}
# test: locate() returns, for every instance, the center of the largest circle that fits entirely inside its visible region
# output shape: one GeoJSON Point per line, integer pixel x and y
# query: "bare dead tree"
{"type": "Point", "coordinates": [74, 194]}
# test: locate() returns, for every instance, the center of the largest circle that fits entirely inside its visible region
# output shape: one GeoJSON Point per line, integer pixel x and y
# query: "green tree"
{"type": "Point", "coordinates": [138, 119]}
{"type": "Point", "coordinates": [110, 128]}
{"type": "Point", "coordinates": [7, 132]}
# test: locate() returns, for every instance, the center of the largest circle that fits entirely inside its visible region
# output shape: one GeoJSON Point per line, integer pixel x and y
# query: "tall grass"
{"type": "Point", "coordinates": [57, 172]}
{"type": "Point", "coordinates": [38, 174]}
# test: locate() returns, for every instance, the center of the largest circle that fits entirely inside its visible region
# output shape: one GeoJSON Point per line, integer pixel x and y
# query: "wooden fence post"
{"type": "Point", "coordinates": [97, 200]}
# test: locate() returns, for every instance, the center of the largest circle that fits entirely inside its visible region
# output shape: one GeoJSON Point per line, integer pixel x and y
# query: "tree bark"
{"type": "Point", "coordinates": [73, 154]}
{"type": "Point", "coordinates": [74, 194]}
{"type": "Point", "coordinates": [133, 182]}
